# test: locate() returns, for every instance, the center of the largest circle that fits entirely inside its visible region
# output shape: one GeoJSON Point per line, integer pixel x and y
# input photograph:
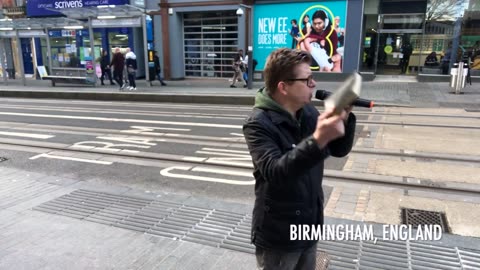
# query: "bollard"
{"type": "Point", "coordinates": [458, 77]}
{"type": "Point", "coordinates": [458, 85]}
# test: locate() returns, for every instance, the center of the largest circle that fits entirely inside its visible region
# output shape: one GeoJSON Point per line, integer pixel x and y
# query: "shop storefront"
{"type": "Point", "coordinates": [16, 37]}
{"type": "Point", "coordinates": [423, 37]}
{"type": "Point", "coordinates": [202, 38]}
{"type": "Point", "coordinates": [70, 46]}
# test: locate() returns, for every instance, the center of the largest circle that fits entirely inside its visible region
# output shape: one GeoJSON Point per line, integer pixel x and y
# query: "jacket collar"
{"type": "Point", "coordinates": [279, 118]}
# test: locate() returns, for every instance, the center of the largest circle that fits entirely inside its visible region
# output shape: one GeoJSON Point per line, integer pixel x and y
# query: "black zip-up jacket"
{"type": "Point", "coordinates": [288, 168]}
{"type": "Point", "coordinates": [156, 61]}
{"type": "Point", "coordinates": [104, 62]}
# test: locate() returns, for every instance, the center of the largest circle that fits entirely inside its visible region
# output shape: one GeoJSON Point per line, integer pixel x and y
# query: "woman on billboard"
{"type": "Point", "coordinates": [322, 43]}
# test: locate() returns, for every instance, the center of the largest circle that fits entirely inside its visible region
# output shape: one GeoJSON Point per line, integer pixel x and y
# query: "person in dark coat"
{"type": "Point", "coordinates": [105, 66]}
{"type": "Point", "coordinates": [406, 51]}
{"type": "Point", "coordinates": [289, 140]}
{"type": "Point", "coordinates": [238, 68]}
{"type": "Point", "coordinates": [118, 63]}
{"type": "Point", "coordinates": [431, 60]}
{"type": "Point", "coordinates": [158, 69]}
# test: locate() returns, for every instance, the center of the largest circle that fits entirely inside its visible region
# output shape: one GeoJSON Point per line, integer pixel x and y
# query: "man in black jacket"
{"type": "Point", "coordinates": [158, 69]}
{"type": "Point", "coordinates": [105, 66]}
{"type": "Point", "coordinates": [289, 141]}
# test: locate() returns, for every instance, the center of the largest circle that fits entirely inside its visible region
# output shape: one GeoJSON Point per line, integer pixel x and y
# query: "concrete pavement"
{"type": "Point", "coordinates": [48, 222]}
{"type": "Point", "coordinates": [384, 90]}
{"type": "Point", "coordinates": [56, 223]}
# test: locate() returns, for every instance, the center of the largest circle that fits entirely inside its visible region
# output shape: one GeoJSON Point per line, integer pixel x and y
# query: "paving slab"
{"type": "Point", "coordinates": [396, 92]}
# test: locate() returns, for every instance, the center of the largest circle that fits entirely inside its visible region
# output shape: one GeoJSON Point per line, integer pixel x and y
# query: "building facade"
{"type": "Point", "coordinates": [66, 47]}
{"type": "Point", "coordinates": [374, 37]}
{"type": "Point", "coordinates": [199, 38]}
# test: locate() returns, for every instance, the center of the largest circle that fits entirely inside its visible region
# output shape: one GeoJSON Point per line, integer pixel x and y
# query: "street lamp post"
{"type": "Point", "coordinates": [250, 43]}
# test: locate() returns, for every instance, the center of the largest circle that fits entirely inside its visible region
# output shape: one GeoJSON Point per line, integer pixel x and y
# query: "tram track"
{"type": "Point", "coordinates": [232, 142]}
{"type": "Point", "coordinates": [241, 116]}
{"type": "Point", "coordinates": [243, 111]}
{"type": "Point", "coordinates": [235, 115]}
{"type": "Point", "coordinates": [331, 176]}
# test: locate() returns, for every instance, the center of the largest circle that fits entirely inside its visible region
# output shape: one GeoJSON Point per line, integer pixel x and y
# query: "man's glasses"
{"type": "Point", "coordinates": [308, 80]}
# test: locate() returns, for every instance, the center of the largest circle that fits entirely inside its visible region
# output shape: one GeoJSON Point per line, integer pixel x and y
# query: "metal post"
{"type": "Point", "coordinates": [145, 50]}
{"type": "Point", "coordinates": [92, 49]}
{"type": "Point", "coordinates": [20, 58]}
{"type": "Point", "coordinates": [49, 53]}
{"type": "Point", "coordinates": [459, 81]}
{"type": "Point", "coordinates": [250, 50]}
{"type": "Point", "coordinates": [3, 59]}
{"type": "Point", "coordinates": [34, 57]}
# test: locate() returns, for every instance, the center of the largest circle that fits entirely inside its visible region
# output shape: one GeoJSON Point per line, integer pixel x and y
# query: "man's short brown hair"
{"type": "Point", "coordinates": [281, 65]}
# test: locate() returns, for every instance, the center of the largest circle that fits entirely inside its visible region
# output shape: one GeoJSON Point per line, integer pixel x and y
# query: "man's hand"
{"type": "Point", "coordinates": [329, 127]}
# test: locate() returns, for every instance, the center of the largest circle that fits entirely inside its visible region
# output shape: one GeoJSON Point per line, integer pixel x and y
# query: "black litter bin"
{"type": "Point", "coordinates": [151, 71]}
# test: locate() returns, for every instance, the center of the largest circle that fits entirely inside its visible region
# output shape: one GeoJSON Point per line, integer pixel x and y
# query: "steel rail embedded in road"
{"type": "Point", "coordinates": [241, 117]}
{"type": "Point", "coordinates": [390, 181]}
{"type": "Point", "coordinates": [418, 115]}
{"type": "Point", "coordinates": [391, 123]}
{"type": "Point", "coordinates": [230, 142]}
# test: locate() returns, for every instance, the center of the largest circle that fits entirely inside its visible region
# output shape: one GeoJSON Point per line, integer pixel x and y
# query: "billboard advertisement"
{"type": "Point", "coordinates": [316, 27]}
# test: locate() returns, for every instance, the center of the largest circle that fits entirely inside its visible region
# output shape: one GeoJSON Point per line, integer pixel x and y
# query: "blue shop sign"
{"type": "Point", "coordinates": [149, 26]}
{"type": "Point", "coordinates": [37, 8]}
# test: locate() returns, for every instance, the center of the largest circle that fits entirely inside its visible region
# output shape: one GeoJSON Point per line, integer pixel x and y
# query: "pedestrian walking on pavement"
{"type": "Point", "coordinates": [289, 140]}
{"type": "Point", "coordinates": [245, 63]}
{"type": "Point", "coordinates": [238, 69]}
{"type": "Point", "coordinates": [131, 63]}
{"type": "Point", "coordinates": [118, 64]}
{"type": "Point", "coordinates": [105, 66]}
{"type": "Point", "coordinates": [158, 69]}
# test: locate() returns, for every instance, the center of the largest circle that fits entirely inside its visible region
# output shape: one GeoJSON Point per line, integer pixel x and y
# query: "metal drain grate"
{"type": "Point", "coordinates": [204, 226]}
{"type": "Point", "coordinates": [416, 217]}
{"type": "Point", "coordinates": [2, 159]}
{"type": "Point", "coordinates": [232, 231]}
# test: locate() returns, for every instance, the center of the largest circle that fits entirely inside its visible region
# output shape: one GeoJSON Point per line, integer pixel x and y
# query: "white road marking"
{"type": "Point", "coordinates": [73, 159]}
{"type": "Point", "coordinates": [230, 161]}
{"type": "Point", "coordinates": [105, 119]}
{"type": "Point", "coordinates": [147, 130]}
{"type": "Point", "coordinates": [166, 172]}
{"type": "Point", "coordinates": [241, 157]}
{"type": "Point", "coordinates": [227, 157]}
{"type": "Point", "coordinates": [197, 159]}
{"type": "Point", "coordinates": [144, 105]}
{"type": "Point", "coordinates": [131, 140]}
{"type": "Point", "coordinates": [227, 151]}
{"type": "Point", "coordinates": [28, 135]}
{"type": "Point", "coordinates": [130, 112]}
{"type": "Point", "coordinates": [107, 146]}
{"type": "Point", "coordinates": [229, 172]}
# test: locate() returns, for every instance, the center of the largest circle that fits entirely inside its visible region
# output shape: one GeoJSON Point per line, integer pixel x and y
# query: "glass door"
{"type": "Point", "coordinates": [395, 52]}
